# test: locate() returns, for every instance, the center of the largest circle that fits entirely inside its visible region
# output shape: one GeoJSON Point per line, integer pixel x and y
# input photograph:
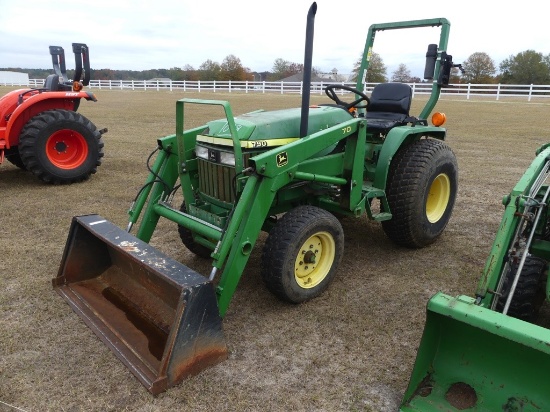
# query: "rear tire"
{"type": "Point", "coordinates": [186, 237]}
{"type": "Point", "coordinates": [421, 192]}
{"type": "Point", "coordinates": [302, 253]}
{"type": "Point", "coordinates": [61, 146]}
{"type": "Point", "coordinates": [530, 290]}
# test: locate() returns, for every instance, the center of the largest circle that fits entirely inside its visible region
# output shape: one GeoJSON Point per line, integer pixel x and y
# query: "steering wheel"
{"type": "Point", "coordinates": [331, 93]}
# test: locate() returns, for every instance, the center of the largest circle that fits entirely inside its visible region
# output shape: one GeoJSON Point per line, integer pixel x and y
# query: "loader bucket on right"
{"type": "Point", "coordinates": [475, 359]}
{"type": "Point", "coordinates": [159, 317]}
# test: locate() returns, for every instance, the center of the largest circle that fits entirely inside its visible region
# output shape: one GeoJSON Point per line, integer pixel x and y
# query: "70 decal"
{"type": "Point", "coordinates": [346, 129]}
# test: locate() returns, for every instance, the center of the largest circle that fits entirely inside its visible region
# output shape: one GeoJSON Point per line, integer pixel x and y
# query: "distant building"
{"type": "Point", "coordinates": [260, 76]}
{"type": "Point", "coordinates": [14, 78]}
{"type": "Point", "coordinates": [298, 77]}
{"type": "Point", "coordinates": [160, 81]}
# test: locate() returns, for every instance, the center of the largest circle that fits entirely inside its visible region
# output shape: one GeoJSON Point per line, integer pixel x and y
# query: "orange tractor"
{"type": "Point", "coordinates": [40, 130]}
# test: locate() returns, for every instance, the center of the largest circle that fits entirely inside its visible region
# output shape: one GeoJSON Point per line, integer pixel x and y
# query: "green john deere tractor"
{"type": "Point", "coordinates": [288, 173]}
{"type": "Point", "coordinates": [488, 352]}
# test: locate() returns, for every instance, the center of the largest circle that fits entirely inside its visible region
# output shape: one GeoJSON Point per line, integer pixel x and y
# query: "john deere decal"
{"type": "Point", "coordinates": [282, 159]}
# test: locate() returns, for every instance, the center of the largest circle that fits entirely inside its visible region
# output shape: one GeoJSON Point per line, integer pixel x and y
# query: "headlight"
{"type": "Point", "coordinates": [227, 158]}
{"type": "Point", "coordinates": [201, 152]}
{"type": "Point", "coordinates": [215, 156]}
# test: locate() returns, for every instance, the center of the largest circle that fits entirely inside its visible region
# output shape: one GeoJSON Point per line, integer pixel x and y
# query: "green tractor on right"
{"type": "Point", "coordinates": [490, 352]}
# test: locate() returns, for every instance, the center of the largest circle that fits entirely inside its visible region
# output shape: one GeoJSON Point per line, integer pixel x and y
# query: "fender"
{"type": "Point", "coordinates": [38, 103]}
{"type": "Point", "coordinates": [397, 138]}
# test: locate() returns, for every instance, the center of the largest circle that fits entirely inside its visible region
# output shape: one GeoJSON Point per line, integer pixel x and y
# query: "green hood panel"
{"type": "Point", "coordinates": [261, 125]}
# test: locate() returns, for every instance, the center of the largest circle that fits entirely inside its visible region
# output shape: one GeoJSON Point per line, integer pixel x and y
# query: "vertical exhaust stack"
{"type": "Point", "coordinates": [159, 317]}
{"type": "Point", "coordinates": [308, 55]}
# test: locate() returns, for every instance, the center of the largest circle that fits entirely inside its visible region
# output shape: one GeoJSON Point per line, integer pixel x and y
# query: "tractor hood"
{"type": "Point", "coordinates": [278, 124]}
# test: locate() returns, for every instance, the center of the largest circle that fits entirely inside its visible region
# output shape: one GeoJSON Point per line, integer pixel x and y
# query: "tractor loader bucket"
{"type": "Point", "coordinates": [475, 359]}
{"type": "Point", "coordinates": [159, 317]}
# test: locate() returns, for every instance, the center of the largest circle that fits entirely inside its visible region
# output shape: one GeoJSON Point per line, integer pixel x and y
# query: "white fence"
{"type": "Point", "coordinates": [466, 91]}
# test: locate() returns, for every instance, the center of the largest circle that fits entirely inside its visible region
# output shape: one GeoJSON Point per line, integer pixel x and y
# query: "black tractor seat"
{"type": "Point", "coordinates": [52, 84]}
{"type": "Point", "coordinates": [389, 107]}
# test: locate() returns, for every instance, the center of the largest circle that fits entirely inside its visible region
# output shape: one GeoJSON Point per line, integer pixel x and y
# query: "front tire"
{"type": "Point", "coordinates": [302, 253]}
{"type": "Point", "coordinates": [12, 156]}
{"type": "Point", "coordinates": [61, 146]}
{"type": "Point", "coordinates": [421, 192]}
{"type": "Point", "coordinates": [530, 290]}
{"type": "Point", "coordinates": [188, 241]}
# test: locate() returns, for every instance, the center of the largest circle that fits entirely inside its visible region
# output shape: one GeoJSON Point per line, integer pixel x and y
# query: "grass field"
{"type": "Point", "coordinates": [352, 349]}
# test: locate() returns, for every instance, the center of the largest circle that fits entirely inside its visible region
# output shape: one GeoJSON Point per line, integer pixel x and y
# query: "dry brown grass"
{"type": "Point", "coordinates": [351, 349]}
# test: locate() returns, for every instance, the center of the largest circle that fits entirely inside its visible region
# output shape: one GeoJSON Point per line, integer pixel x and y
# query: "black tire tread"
{"type": "Point", "coordinates": [406, 171]}
{"type": "Point", "coordinates": [284, 237]}
{"type": "Point", "coordinates": [12, 156]}
{"type": "Point", "coordinates": [530, 289]}
{"type": "Point", "coordinates": [186, 237]}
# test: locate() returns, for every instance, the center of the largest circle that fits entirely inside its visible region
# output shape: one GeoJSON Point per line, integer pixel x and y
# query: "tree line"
{"type": "Point", "coordinates": [230, 68]}
{"type": "Point", "coordinates": [527, 67]}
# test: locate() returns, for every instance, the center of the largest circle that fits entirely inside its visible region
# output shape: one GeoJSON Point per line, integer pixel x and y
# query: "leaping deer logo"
{"type": "Point", "coordinates": [282, 159]}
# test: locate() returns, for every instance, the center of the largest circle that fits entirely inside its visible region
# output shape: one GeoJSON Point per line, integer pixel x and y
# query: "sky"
{"type": "Point", "coordinates": [142, 35]}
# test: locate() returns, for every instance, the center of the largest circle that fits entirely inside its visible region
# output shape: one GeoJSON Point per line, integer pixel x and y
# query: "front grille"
{"type": "Point", "coordinates": [216, 180]}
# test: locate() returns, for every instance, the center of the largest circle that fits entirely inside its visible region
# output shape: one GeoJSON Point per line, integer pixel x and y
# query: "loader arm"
{"type": "Point", "coordinates": [270, 175]}
{"type": "Point", "coordinates": [514, 204]}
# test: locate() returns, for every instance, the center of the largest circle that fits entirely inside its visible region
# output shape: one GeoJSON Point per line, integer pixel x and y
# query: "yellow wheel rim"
{"type": "Point", "coordinates": [438, 198]}
{"type": "Point", "coordinates": [314, 260]}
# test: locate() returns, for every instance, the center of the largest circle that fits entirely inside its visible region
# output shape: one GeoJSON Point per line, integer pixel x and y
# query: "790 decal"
{"type": "Point", "coordinates": [258, 143]}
